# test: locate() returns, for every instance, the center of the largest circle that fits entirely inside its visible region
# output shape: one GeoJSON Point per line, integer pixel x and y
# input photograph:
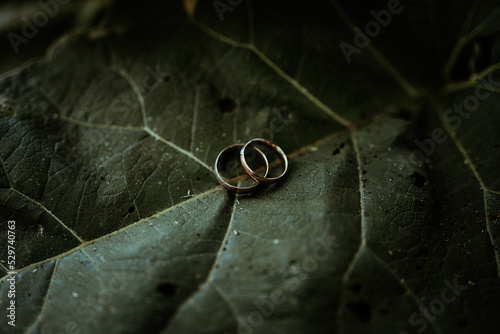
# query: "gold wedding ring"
{"type": "Point", "coordinates": [273, 147]}
{"type": "Point", "coordinates": [227, 185]}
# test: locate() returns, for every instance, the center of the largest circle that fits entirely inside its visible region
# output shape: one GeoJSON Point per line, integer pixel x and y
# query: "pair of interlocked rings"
{"type": "Point", "coordinates": [259, 179]}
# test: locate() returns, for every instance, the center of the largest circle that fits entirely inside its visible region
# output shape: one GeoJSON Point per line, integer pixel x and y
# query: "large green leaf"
{"type": "Point", "coordinates": [108, 142]}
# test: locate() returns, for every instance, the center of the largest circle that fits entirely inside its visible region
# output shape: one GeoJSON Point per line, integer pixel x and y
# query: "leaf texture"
{"type": "Point", "coordinates": [108, 142]}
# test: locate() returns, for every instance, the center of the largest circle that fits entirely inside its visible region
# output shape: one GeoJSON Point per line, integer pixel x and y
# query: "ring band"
{"type": "Point", "coordinates": [273, 147]}
{"type": "Point", "coordinates": [227, 185]}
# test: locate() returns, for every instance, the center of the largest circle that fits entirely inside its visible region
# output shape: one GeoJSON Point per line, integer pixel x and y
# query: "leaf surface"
{"type": "Point", "coordinates": [108, 142]}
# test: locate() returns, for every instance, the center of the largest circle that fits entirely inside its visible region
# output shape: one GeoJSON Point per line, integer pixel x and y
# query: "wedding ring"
{"type": "Point", "coordinates": [275, 148]}
{"type": "Point", "coordinates": [227, 185]}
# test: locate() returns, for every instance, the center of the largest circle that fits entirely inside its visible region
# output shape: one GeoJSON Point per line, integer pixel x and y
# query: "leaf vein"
{"type": "Point", "coordinates": [408, 88]}
{"type": "Point", "coordinates": [52, 214]}
{"type": "Point", "coordinates": [47, 295]}
{"type": "Point", "coordinates": [408, 290]}
{"type": "Point", "coordinates": [211, 272]}
{"type": "Point", "coordinates": [181, 150]}
{"type": "Point", "coordinates": [6, 173]}
{"type": "Point", "coordinates": [278, 70]}
{"type": "Point", "coordinates": [225, 299]}
{"type": "Point", "coordinates": [124, 229]}
{"type": "Point", "coordinates": [195, 117]}
{"type": "Point", "coordinates": [473, 168]}
{"type": "Point", "coordinates": [137, 92]}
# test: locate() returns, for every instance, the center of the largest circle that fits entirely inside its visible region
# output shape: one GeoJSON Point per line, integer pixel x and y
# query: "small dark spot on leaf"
{"type": "Point", "coordinates": [364, 172]}
{"type": "Point", "coordinates": [266, 271]}
{"type": "Point", "coordinates": [423, 251]}
{"type": "Point", "coordinates": [197, 234]}
{"type": "Point", "coordinates": [167, 289]}
{"type": "Point", "coordinates": [102, 178]}
{"type": "Point", "coordinates": [131, 209]}
{"type": "Point", "coordinates": [124, 215]}
{"type": "Point", "coordinates": [337, 150]}
{"type": "Point", "coordinates": [292, 262]}
{"type": "Point", "coordinates": [29, 294]}
{"type": "Point", "coordinates": [227, 105]}
{"type": "Point", "coordinates": [362, 310]}
{"type": "Point", "coordinates": [403, 114]}
{"type": "Point", "coordinates": [285, 114]}
{"type": "Point", "coordinates": [224, 248]}
{"type": "Point", "coordinates": [198, 178]}
{"type": "Point", "coordinates": [419, 180]}
{"type": "Point", "coordinates": [356, 288]}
